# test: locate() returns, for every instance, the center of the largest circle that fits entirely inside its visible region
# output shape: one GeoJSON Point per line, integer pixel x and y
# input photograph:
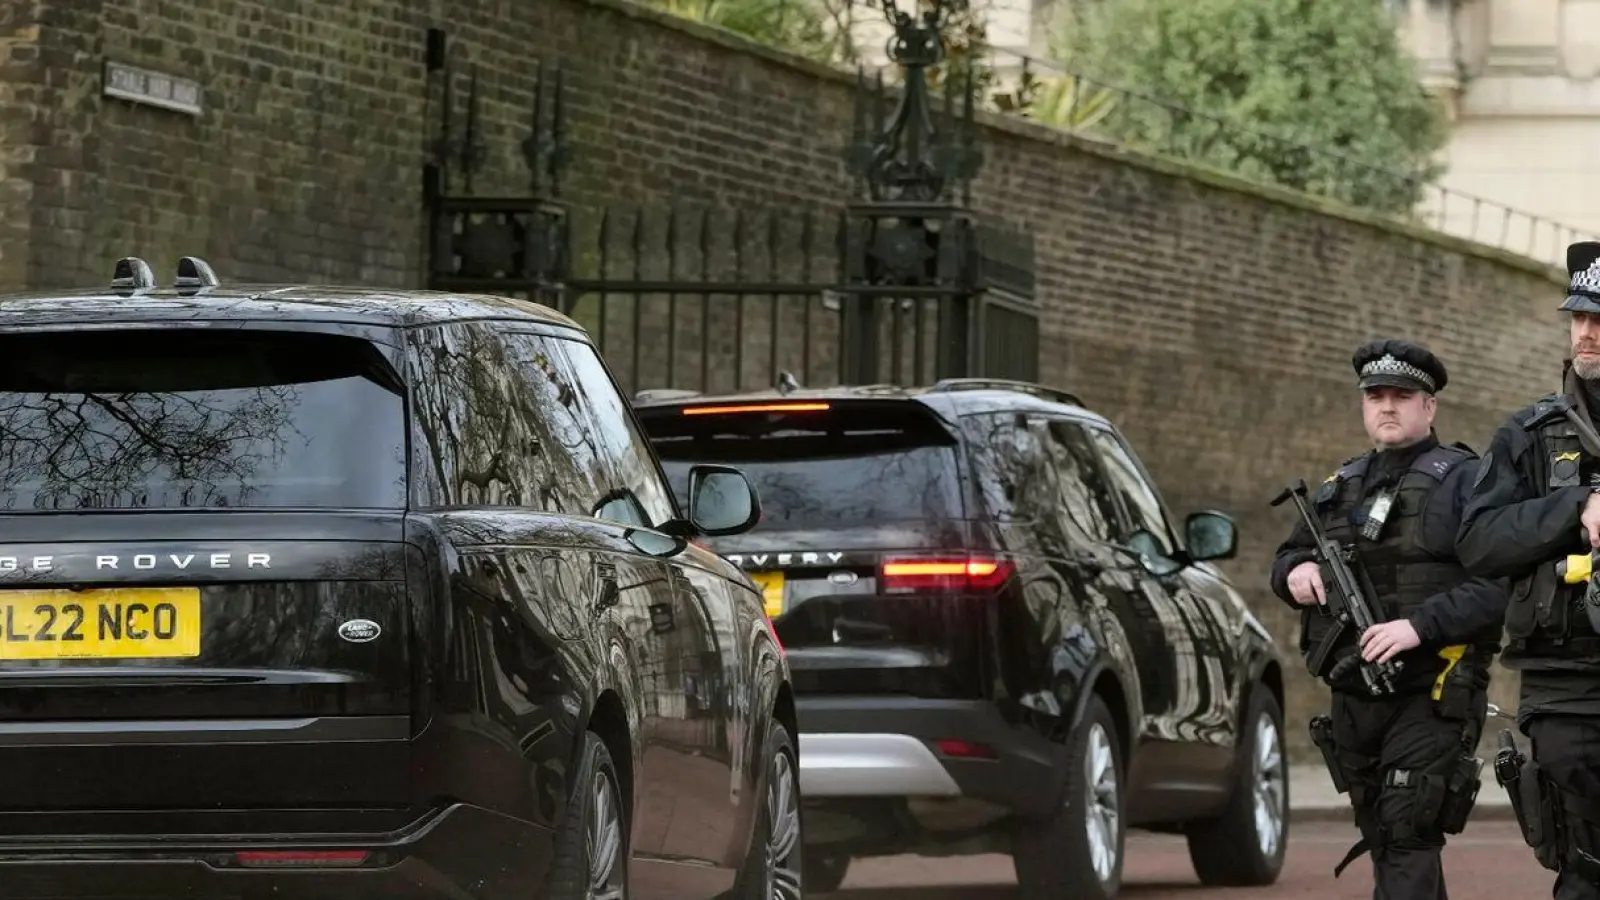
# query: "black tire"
{"type": "Point", "coordinates": [775, 867]}
{"type": "Point", "coordinates": [825, 872]}
{"type": "Point", "coordinates": [1244, 847]}
{"type": "Point", "coordinates": [1056, 857]}
{"type": "Point", "coordinates": [592, 849]}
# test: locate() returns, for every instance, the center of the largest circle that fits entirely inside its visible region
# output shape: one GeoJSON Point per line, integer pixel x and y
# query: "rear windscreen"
{"type": "Point", "coordinates": [849, 465]}
{"type": "Point", "coordinates": [195, 418]}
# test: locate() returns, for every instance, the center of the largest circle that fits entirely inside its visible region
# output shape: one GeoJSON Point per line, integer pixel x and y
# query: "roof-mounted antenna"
{"type": "Point", "coordinates": [195, 273]}
{"type": "Point", "coordinates": [132, 275]}
{"type": "Point", "coordinates": [787, 383]}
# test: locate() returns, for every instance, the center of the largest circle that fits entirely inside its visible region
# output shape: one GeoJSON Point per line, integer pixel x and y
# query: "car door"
{"type": "Point", "coordinates": [1200, 697]}
{"type": "Point", "coordinates": [1131, 623]}
{"type": "Point", "coordinates": [689, 770]}
{"type": "Point", "coordinates": [1013, 485]}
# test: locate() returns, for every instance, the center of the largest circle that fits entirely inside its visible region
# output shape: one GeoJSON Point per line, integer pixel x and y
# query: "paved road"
{"type": "Point", "coordinates": [1488, 862]}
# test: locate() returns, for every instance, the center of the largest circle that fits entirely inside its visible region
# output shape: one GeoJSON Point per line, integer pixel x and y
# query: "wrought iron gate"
{"type": "Point", "coordinates": [905, 286]}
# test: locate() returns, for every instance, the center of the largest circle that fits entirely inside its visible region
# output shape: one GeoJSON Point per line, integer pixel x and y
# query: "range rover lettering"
{"type": "Point", "coordinates": [334, 593]}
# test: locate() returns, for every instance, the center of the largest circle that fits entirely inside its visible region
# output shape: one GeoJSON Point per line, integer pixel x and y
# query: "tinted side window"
{"type": "Point", "coordinates": [1086, 498]}
{"type": "Point", "coordinates": [645, 494]}
{"type": "Point", "coordinates": [499, 425]}
{"type": "Point", "coordinates": [1014, 469]}
{"type": "Point", "coordinates": [1138, 498]}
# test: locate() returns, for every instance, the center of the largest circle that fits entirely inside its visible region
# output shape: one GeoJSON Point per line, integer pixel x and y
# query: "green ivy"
{"type": "Point", "coordinates": [1268, 89]}
{"type": "Point", "coordinates": [808, 28]}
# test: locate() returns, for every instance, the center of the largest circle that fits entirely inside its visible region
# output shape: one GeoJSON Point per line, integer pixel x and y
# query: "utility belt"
{"type": "Point", "coordinates": [1447, 787]}
{"type": "Point", "coordinates": [1545, 812]}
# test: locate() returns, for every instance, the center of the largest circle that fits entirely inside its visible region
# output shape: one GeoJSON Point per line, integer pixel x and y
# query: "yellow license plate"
{"type": "Point", "coordinates": [771, 584]}
{"type": "Point", "coordinates": [112, 623]}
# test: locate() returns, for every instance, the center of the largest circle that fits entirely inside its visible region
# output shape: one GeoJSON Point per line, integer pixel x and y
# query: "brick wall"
{"type": "Point", "coordinates": [1214, 321]}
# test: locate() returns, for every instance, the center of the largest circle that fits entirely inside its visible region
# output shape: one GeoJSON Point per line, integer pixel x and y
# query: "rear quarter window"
{"type": "Point", "coordinates": [850, 465]}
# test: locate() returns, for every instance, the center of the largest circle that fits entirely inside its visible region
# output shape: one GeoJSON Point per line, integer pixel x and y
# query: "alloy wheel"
{"type": "Point", "coordinates": [603, 841]}
{"type": "Point", "coordinates": [783, 837]}
{"type": "Point", "coordinates": [1269, 786]}
{"type": "Point", "coordinates": [1101, 807]}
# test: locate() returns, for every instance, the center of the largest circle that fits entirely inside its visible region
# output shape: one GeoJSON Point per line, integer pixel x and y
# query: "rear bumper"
{"type": "Point", "coordinates": [858, 747]}
{"type": "Point", "coordinates": [459, 852]}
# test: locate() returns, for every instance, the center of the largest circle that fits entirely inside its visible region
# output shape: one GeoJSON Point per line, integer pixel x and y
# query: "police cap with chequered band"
{"type": "Point", "coordinates": [1583, 267]}
{"type": "Point", "coordinates": [1391, 362]}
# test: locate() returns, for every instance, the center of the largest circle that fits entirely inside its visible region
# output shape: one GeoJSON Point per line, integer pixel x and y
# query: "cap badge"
{"type": "Point", "coordinates": [1588, 280]}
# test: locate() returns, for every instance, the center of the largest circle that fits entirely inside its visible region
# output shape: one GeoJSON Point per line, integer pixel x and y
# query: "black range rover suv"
{"type": "Point", "coordinates": [329, 594]}
{"type": "Point", "coordinates": [999, 641]}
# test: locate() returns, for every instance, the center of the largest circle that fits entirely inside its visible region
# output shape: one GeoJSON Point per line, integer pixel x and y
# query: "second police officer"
{"type": "Point", "coordinates": [1536, 501]}
{"type": "Point", "coordinates": [1407, 756]}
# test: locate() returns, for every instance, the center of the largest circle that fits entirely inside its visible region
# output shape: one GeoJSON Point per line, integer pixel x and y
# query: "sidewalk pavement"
{"type": "Point", "coordinates": [1312, 797]}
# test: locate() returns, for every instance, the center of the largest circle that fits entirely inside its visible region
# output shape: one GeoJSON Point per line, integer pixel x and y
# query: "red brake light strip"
{"type": "Point", "coordinates": [755, 408]}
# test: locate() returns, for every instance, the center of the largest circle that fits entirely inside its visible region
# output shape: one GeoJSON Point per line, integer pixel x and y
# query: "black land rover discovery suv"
{"type": "Point", "coordinates": [998, 639]}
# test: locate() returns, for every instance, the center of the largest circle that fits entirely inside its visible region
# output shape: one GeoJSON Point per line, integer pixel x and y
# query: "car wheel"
{"type": "Point", "coordinates": [1244, 847]}
{"type": "Point", "coordinates": [775, 866]}
{"type": "Point", "coordinates": [591, 858]}
{"type": "Point", "coordinates": [1077, 851]}
{"type": "Point", "coordinates": [825, 872]}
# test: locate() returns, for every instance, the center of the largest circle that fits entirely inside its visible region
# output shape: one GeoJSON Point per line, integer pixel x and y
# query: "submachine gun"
{"type": "Point", "coordinates": [1351, 607]}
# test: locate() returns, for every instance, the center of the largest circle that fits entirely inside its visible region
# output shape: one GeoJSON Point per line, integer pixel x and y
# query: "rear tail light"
{"type": "Point", "coordinates": [965, 749]}
{"type": "Point", "coordinates": [773, 630]}
{"type": "Point", "coordinates": [943, 573]}
{"type": "Point", "coordinates": [301, 859]}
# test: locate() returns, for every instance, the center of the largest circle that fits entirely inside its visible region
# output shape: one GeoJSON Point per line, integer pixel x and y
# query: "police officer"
{"type": "Point", "coordinates": [1536, 500]}
{"type": "Point", "coordinates": [1406, 757]}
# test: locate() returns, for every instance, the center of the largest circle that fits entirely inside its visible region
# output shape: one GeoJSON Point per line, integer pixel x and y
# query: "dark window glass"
{"type": "Point", "coordinates": [851, 465]}
{"type": "Point", "coordinates": [499, 424]}
{"type": "Point", "coordinates": [1139, 498]}
{"type": "Point", "coordinates": [641, 496]}
{"type": "Point", "coordinates": [1086, 498]}
{"type": "Point", "coordinates": [192, 418]}
{"type": "Point", "coordinates": [1011, 472]}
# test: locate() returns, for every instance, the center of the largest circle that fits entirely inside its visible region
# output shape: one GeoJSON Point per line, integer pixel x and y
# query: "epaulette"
{"type": "Point", "coordinates": [1537, 408]}
{"type": "Point", "coordinates": [1353, 467]}
{"type": "Point", "coordinates": [1437, 462]}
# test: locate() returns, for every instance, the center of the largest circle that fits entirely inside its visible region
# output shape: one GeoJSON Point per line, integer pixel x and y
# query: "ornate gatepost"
{"type": "Point", "coordinates": [912, 236]}
{"type": "Point", "coordinates": [495, 244]}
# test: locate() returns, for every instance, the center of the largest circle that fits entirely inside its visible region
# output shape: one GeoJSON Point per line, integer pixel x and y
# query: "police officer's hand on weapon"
{"type": "Point", "coordinates": [1533, 517]}
{"type": "Point", "coordinates": [1305, 585]}
{"type": "Point", "coordinates": [1394, 625]}
{"type": "Point", "coordinates": [1384, 642]}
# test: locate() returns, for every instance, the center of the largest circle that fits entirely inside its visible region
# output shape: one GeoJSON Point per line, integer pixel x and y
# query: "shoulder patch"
{"type": "Point", "coordinates": [1438, 462]}
{"type": "Point", "coordinates": [1326, 491]}
{"type": "Point", "coordinates": [1354, 467]}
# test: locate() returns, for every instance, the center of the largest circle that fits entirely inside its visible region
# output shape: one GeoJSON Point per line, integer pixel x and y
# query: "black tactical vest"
{"type": "Point", "coordinates": [1401, 574]}
{"type": "Point", "coordinates": [1545, 615]}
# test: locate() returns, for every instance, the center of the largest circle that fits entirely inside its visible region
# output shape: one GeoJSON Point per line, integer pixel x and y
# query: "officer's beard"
{"type": "Point", "coordinates": [1587, 368]}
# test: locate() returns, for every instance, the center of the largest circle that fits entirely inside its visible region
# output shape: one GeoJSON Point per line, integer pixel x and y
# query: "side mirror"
{"type": "Point", "coordinates": [1210, 535]}
{"type": "Point", "coordinates": [722, 501]}
{"type": "Point", "coordinates": [654, 543]}
{"type": "Point", "coordinates": [1143, 546]}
